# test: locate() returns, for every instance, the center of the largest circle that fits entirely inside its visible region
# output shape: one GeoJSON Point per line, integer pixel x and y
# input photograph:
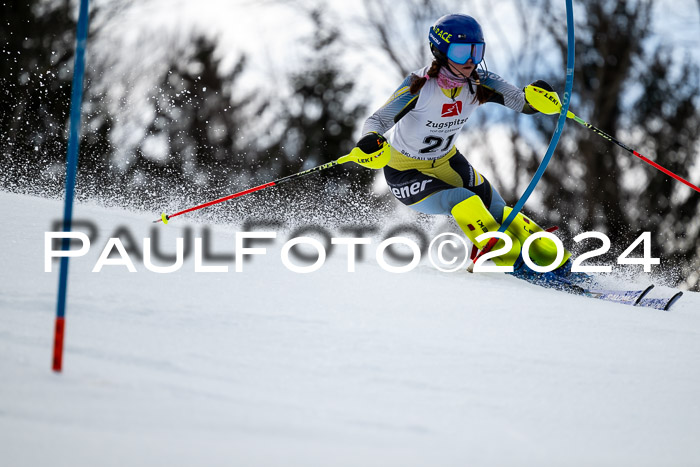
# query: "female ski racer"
{"type": "Point", "coordinates": [426, 171]}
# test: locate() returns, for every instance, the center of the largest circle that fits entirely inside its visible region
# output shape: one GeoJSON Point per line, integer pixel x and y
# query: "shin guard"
{"type": "Point", "coordinates": [474, 219]}
{"type": "Point", "coordinates": [542, 251]}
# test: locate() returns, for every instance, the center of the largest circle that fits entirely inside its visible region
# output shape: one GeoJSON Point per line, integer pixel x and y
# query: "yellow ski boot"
{"type": "Point", "coordinates": [474, 219]}
{"type": "Point", "coordinates": [543, 251]}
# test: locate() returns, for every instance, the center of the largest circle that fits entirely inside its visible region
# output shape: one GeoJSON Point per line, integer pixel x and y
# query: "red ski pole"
{"type": "Point", "coordinates": [376, 160]}
{"type": "Point", "coordinates": [548, 103]}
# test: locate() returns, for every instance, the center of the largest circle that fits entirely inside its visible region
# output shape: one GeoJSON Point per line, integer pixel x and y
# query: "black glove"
{"type": "Point", "coordinates": [540, 83]}
{"type": "Point", "coordinates": [371, 143]}
{"type": "Point", "coordinates": [527, 108]}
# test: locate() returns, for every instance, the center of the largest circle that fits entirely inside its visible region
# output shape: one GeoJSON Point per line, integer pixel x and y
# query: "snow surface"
{"type": "Point", "coordinates": [267, 367]}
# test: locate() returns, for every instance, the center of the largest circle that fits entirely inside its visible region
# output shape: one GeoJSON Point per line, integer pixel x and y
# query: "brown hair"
{"type": "Point", "coordinates": [483, 94]}
{"type": "Point", "coordinates": [419, 81]}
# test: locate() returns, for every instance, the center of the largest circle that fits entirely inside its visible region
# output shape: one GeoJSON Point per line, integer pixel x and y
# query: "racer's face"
{"type": "Point", "coordinates": [465, 69]}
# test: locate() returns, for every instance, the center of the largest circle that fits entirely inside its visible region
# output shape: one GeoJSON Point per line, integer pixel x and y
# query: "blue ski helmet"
{"type": "Point", "coordinates": [457, 37]}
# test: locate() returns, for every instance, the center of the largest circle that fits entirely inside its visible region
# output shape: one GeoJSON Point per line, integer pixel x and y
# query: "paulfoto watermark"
{"type": "Point", "coordinates": [303, 254]}
{"type": "Point", "coordinates": [242, 250]}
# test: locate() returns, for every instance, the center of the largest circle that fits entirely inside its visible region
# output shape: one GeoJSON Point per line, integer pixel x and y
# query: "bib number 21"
{"type": "Point", "coordinates": [434, 142]}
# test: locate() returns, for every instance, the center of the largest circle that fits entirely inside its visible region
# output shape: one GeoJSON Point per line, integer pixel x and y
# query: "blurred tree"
{"type": "Point", "coordinates": [193, 137]}
{"type": "Point", "coordinates": [636, 90]}
{"type": "Point", "coordinates": [405, 47]}
{"type": "Point", "coordinates": [318, 123]}
{"type": "Point", "coordinates": [38, 47]}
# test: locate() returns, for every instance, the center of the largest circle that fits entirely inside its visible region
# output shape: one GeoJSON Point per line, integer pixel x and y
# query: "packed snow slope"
{"type": "Point", "coordinates": [268, 367]}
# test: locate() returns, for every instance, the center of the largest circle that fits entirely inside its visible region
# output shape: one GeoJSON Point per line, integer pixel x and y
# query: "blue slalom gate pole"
{"type": "Point", "coordinates": [71, 172]}
{"type": "Point", "coordinates": [570, 48]}
{"type": "Point", "coordinates": [560, 122]}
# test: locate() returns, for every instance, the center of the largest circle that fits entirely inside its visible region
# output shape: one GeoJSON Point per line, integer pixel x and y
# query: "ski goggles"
{"type": "Point", "coordinates": [461, 53]}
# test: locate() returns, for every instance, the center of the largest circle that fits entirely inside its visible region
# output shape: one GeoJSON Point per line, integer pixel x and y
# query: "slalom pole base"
{"type": "Point", "coordinates": [58, 344]}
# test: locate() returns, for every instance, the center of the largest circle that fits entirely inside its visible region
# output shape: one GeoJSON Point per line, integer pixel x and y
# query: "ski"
{"type": "Point", "coordinates": [627, 297]}
{"type": "Point", "coordinates": [660, 303]}
{"type": "Point", "coordinates": [635, 298]}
